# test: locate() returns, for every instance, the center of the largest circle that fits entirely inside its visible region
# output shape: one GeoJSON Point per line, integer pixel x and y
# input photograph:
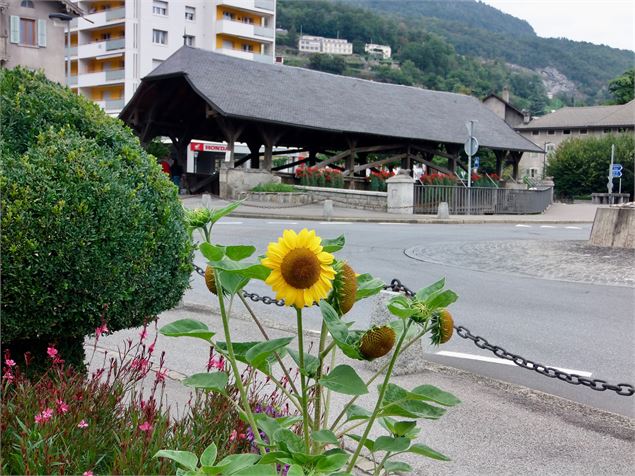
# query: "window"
{"type": "Point", "coordinates": [535, 133]}
{"type": "Point", "coordinates": [27, 32]}
{"type": "Point", "coordinates": [190, 13]}
{"type": "Point", "coordinates": [160, 8]}
{"type": "Point", "coordinates": [551, 132]}
{"type": "Point", "coordinates": [160, 37]}
{"type": "Point", "coordinates": [550, 147]}
{"type": "Point", "coordinates": [607, 131]}
{"type": "Point", "coordinates": [247, 20]}
{"type": "Point", "coordinates": [188, 40]}
{"type": "Point", "coordinates": [228, 16]}
{"type": "Point", "coordinates": [246, 47]}
{"type": "Point", "coordinates": [27, 4]}
{"type": "Point", "coordinates": [566, 132]}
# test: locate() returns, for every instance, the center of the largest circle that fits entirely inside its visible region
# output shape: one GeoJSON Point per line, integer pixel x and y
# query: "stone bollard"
{"type": "Point", "coordinates": [328, 209]}
{"type": "Point", "coordinates": [400, 194]}
{"type": "Point", "coordinates": [206, 200]}
{"type": "Point", "coordinates": [444, 211]}
{"type": "Point", "coordinates": [411, 360]}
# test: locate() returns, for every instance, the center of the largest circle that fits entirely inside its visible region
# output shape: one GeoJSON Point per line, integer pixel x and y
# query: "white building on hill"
{"type": "Point", "coordinates": [380, 50]}
{"type": "Point", "coordinates": [319, 44]}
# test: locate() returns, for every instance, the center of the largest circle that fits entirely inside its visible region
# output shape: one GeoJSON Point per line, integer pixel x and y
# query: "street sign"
{"type": "Point", "coordinates": [616, 171]}
{"type": "Point", "coordinates": [477, 162]}
{"type": "Point", "coordinates": [471, 146]}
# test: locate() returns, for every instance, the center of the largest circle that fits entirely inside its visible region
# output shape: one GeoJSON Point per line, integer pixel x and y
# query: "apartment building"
{"type": "Point", "coordinates": [117, 42]}
{"type": "Point", "coordinates": [378, 50]}
{"type": "Point", "coordinates": [319, 44]}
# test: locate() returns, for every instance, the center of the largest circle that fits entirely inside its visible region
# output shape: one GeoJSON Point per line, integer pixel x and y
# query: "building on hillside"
{"type": "Point", "coordinates": [31, 36]}
{"type": "Point", "coordinates": [551, 130]}
{"type": "Point", "coordinates": [379, 50]}
{"type": "Point", "coordinates": [501, 106]}
{"type": "Point", "coordinates": [118, 42]}
{"type": "Point", "coordinates": [319, 44]}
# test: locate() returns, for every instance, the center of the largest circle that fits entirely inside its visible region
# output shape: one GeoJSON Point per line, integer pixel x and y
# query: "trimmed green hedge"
{"type": "Point", "coordinates": [91, 226]}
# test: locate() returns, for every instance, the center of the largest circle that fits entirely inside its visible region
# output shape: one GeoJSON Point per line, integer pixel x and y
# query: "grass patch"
{"type": "Point", "coordinates": [274, 187]}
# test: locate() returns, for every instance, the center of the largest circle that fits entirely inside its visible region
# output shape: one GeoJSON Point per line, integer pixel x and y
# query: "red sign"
{"type": "Point", "coordinates": [201, 147]}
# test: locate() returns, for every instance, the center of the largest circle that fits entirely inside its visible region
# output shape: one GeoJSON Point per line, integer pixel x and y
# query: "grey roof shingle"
{"type": "Point", "coordinates": [312, 99]}
{"type": "Point", "coordinates": [593, 116]}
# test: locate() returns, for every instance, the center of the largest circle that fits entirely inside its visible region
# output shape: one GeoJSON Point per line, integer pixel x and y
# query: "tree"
{"type": "Point", "coordinates": [580, 166]}
{"type": "Point", "coordinates": [623, 87]}
{"type": "Point", "coordinates": [327, 63]}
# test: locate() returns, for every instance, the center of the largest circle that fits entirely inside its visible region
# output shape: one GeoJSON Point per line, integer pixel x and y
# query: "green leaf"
{"type": "Point", "coordinates": [331, 462]}
{"type": "Point", "coordinates": [334, 244]}
{"type": "Point", "coordinates": [267, 424]}
{"type": "Point", "coordinates": [256, 470]}
{"type": "Point", "coordinates": [423, 450]}
{"type": "Point", "coordinates": [209, 455]}
{"type": "Point", "coordinates": [344, 379]}
{"type": "Point", "coordinates": [402, 428]}
{"type": "Point", "coordinates": [247, 270]}
{"type": "Point", "coordinates": [397, 467]}
{"type": "Point", "coordinates": [212, 252]}
{"type": "Point", "coordinates": [424, 293]}
{"type": "Point", "coordinates": [432, 393]}
{"type": "Point", "coordinates": [339, 331]}
{"type": "Point", "coordinates": [392, 444]}
{"type": "Point", "coordinates": [187, 328]}
{"type": "Point", "coordinates": [443, 299]}
{"type": "Point", "coordinates": [368, 286]}
{"type": "Point", "coordinates": [288, 441]}
{"type": "Point", "coordinates": [217, 214]}
{"type": "Point", "coordinates": [215, 382]}
{"type": "Point", "coordinates": [240, 351]}
{"type": "Point", "coordinates": [259, 353]}
{"type": "Point", "coordinates": [369, 444]}
{"type": "Point", "coordinates": [295, 470]}
{"type": "Point", "coordinates": [325, 437]}
{"type": "Point", "coordinates": [355, 412]}
{"type": "Point", "coordinates": [185, 458]}
{"type": "Point", "coordinates": [401, 307]}
{"type": "Point", "coordinates": [400, 402]}
{"type": "Point", "coordinates": [231, 283]}
{"type": "Point", "coordinates": [311, 362]}
{"type": "Point", "coordinates": [239, 252]}
{"type": "Point", "coordinates": [231, 464]}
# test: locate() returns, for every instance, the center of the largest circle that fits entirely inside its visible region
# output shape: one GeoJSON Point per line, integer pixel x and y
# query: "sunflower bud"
{"type": "Point", "coordinates": [344, 292]}
{"type": "Point", "coordinates": [377, 342]}
{"type": "Point", "coordinates": [210, 279]}
{"type": "Point", "coordinates": [443, 327]}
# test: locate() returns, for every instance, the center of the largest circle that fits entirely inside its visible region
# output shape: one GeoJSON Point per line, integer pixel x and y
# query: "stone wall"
{"type": "Point", "coordinates": [232, 182]}
{"type": "Point", "coordinates": [360, 199]}
{"type": "Point", "coordinates": [614, 227]}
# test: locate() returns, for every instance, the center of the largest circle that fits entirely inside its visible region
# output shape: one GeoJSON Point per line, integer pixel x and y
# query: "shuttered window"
{"type": "Point", "coordinates": [41, 33]}
{"type": "Point", "coordinates": [27, 32]}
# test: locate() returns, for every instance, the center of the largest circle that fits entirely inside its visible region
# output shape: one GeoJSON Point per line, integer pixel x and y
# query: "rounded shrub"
{"type": "Point", "coordinates": [91, 226]}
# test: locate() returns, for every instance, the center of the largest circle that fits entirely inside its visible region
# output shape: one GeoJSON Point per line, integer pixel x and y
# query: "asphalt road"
{"type": "Point", "coordinates": [587, 328]}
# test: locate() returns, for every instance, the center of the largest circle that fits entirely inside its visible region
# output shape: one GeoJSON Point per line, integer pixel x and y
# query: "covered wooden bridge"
{"type": "Point", "coordinates": [198, 94]}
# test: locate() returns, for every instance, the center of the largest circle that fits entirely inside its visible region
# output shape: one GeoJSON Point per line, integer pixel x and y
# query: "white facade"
{"type": "Point", "coordinates": [319, 44]}
{"type": "Point", "coordinates": [381, 50]}
{"type": "Point", "coordinates": [118, 42]}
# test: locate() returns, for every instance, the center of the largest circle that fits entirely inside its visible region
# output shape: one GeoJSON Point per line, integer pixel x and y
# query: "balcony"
{"type": "Point", "coordinates": [100, 19]}
{"type": "Point", "coordinates": [246, 55]}
{"type": "Point", "coordinates": [111, 105]}
{"type": "Point", "coordinates": [261, 6]}
{"type": "Point", "coordinates": [91, 50]}
{"type": "Point", "coordinates": [245, 30]}
{"type": "Point", "coordinates": [102, 77]}
{"type": "Point", "coordinates": [72, 80]}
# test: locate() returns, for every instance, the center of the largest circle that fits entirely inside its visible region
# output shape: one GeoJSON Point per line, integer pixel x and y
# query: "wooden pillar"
{"type": "Point", "coordinates": [268, 162]}
{"type": "Point", "coordinates": [515, 167]}
{"type": "Point", "coordinates": [500, 161]}
{"type": "Point", "coordinates": [312, 157]}
{"type": "Point", "coordinates": [254, 150]}
{"type": "Point", "coordinates": [406, 162]}
{"type": "Point", "coordinates": [270, 138]}
{"type": "Point", "coordinates": [363, 159]}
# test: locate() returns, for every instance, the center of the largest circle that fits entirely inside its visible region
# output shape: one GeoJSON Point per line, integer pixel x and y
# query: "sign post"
{"type": "Point", "coordinates": [471, 148]}
{"type": "Point", "coordinates": [609, 184]}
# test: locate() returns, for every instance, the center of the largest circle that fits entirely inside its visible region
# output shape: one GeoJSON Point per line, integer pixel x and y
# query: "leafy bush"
{"type": "Point", "coordinates": [274, 187]}
{"type": "Point", "coordinates": [91, 226]}
{"type": "Point", "coordinates": [581, 166]}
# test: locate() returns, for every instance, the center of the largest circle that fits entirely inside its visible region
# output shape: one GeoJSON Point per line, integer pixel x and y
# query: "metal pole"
{"type": "Point", "coordinates": [469, 170]}
{"type": "Point", "coordinates": [68, 54]}
{"type": "Point", "coordinates": [609, 184]}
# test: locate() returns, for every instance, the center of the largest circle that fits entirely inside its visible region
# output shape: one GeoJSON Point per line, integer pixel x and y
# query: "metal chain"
{"type": "Point", "coordinates": [395, 285]}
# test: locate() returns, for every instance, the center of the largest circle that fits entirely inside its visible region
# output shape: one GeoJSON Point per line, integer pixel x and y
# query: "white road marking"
{"type": "Point", "coordinates": [496, 360]}
{"type": "Point", "coordinates": [523, 226]}
{"type": "Point", "coordinates": [229, 223]}
{"type": "Point", "coordinates": [573, 227]}
{"type": "Point", "coordinates": [336, 223]}
{"type": "Point", "coordinates": [391, 223]}
{"type": "Point", "coordinates": [282, 223]}
{"type": "Point", "coordinates": [547, 226]}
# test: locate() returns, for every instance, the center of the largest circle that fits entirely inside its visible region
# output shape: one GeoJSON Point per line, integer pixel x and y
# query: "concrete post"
{"type": "Point", "coordinates": [401, 190]}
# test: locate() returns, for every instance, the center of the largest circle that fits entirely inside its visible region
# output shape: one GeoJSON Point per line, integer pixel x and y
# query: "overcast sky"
{"type": "Point", "coordinates": [607, 22]}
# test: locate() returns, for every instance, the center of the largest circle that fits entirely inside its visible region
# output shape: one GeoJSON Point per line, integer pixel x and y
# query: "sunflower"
{"type": "Point", "coordinates": [301, 273]}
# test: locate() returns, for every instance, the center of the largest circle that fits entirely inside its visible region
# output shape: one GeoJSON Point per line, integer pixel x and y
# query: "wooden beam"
{"type": "Point", "coordinates": [292, 164]}
{"type": "Point", "coordinates": [432, 165]}
{"type": "Point", "coordinates": [373, 148]}
{"type": "Point", "coordinates": [433, 151]}
{"type": "Point", "coordinates": [392, 158]}
{"type": "Point", "coordinates": [335, 158]}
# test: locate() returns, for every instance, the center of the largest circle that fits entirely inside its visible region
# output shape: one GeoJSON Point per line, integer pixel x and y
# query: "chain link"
{"type": "Point", "coordinates": [396, 286]}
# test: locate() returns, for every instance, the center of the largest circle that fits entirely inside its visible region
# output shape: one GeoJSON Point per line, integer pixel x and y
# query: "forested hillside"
{"type": "Point", "coordinates": [462, 46]}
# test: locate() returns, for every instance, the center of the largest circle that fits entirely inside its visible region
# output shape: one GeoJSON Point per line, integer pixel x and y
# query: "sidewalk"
{"type": "Point", "coordinates": [498, 428]}
{"type": "Point", "coordinates": [556, 213]}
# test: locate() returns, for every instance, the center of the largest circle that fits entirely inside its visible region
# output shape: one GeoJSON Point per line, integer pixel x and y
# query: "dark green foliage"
{"type": "Point", "coordinates": [581, 166]}
{"type": "Point", "coordinates": [91, 226]}
{"type": "Point", "coordinates": [623, 87]}
{"type": "Point", "coordinates": [327, 63]}
{"type": "Point", "coordinates": [158, 148]}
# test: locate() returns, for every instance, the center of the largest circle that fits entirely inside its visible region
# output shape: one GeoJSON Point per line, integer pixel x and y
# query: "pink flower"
{"type": "Point", "coordinates": [44, 416]}
{"type": "Point", "coordinates": [161, 374]}
{"type": "Point", "coordinates": [140, 364]}
{"type": "Point", "coordinates": [52, 352]}
{"type": "Point", "coordinates": [82, 424]}
{"type": "Point", "coordinates": [151, 348]}
{"type": "Point", "coordinates": [103, 329]}
{"type": "Point", "coordinates": [216, 363]}
{"type": "Point", "coordinates": [62, 407]}
{"type": "Point", "coordinates": [143, 334]}
{"type": "Point", "coordinates": [10, 363]}
{"type": "Point", "coordinates": [88, 473]}
{"type": "Point", "coordinates": [8, 376]}
{"type": "Point", "coordinates": [145, 426]}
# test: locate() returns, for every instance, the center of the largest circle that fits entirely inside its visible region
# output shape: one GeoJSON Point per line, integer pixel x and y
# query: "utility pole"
{"type": "Point", "coordinates": [609, 184]}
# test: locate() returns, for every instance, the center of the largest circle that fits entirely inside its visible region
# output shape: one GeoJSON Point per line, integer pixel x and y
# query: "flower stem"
{"type": "Point", "coordinates": [380, 399]}
{"type": "Point", "coordinates": [305, 410]}
{"type": "Point", "coordinates": [234, 365]}
{"type": "Point", "coordinates": [317, 416]}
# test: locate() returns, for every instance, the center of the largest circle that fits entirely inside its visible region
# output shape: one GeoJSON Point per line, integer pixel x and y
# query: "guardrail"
{"type": "Point", "coordinates": [480, 200]}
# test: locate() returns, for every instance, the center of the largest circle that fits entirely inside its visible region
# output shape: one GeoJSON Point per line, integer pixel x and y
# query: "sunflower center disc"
{"type": "Point", "coordinates": [300, 268]}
